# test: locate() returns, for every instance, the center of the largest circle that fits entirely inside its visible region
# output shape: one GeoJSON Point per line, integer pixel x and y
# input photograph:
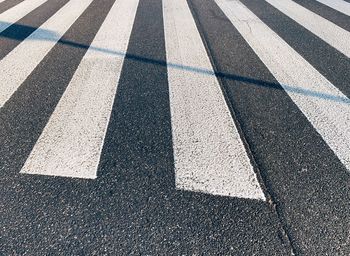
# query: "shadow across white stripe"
{"type": "Point", "coordinates": [209, 154]}
{"type": "Point", "coordinates": [330, 118]}
{"type": "Point", "coordinates": [17, 12]}
{"type": "Point", "coordinates": [71, 142]}
{"type": "Point", "coordinates": [332, 34]}
{"type": "Point", "coordinates": [20, 62]}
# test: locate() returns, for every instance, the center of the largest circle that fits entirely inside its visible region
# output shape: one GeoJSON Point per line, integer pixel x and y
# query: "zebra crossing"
{"type": "Point", "coordinates": [327, 31]}
{"type": "Point", "coordinates": [340, 6]}
{"type": "Point", "coordinates": [33, 49]}
{"type": "Point", "coordinates": [236, 104]}
{"type": "Point", "coordinates": [329, 117]}
{"type": "Point", "coordinates": [14, 14]}
{"type": "Point", "coordinates": [75, 121]}
{"type": "Point", "coordinates": [209, 154]}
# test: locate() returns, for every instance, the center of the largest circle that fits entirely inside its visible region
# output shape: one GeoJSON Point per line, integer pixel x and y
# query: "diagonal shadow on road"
{"type": "Point", "coordinates": [19, 32]}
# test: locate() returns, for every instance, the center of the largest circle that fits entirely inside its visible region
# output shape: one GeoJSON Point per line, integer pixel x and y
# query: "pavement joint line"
{"type": "Point", "coordinates": [262, 179]}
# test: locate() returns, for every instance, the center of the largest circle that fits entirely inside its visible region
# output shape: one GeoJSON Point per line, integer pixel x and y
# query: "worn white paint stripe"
{"type": "Point", "coordinates": [338, 5]}
{"type": "Point", "coordinates": [329, 32]}
{"type": "Point", "coordinates": [209, 154]}
{"type": "Point", "coordinates": [20, 62]}
{"type": "Point", "coordinates": [17, 12]}
{"type": "Point", "coordinates": [71, 142]}
{"type": "Point", "coordinates": [329, 115]}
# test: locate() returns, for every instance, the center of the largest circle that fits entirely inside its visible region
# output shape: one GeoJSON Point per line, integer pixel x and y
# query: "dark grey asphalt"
{"type": "Point", "coordinates": [298, 167]}
{"type": "Point", "coordinates": [327, 12]}
{"type": "Point", "coordinates": [332, 64]}
{"type": "Point", "coordinates": [132, 208]}
{"type": "Point", "coordinates": [6, 5]}
{"type": "Point", "coordinates": [13, 35]}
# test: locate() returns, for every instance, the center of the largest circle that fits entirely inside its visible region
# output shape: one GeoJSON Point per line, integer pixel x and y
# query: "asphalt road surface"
{"type": "Point", "coordinates": [175, 127]}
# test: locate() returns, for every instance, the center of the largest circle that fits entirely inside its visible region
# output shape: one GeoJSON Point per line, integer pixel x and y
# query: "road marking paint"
{"type": "Point", "coordinates": [332, 34]}
{"type": "Point", "coordinates": [17, 12]}
{"type": "Point", "coordinates": [330, 118]}
{"type": "Point", "coordinates": [20, 62]}
{"type": "Point", "coordinates": [338, 5]}
{"type": "Point", "coordinates": [71, 142]}
{"type": "Point", "coordinates": [209, 154]}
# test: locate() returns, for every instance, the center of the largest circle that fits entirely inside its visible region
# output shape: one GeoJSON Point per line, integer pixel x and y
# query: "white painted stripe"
{"type": "Point", "coordinates": [71, 142]}
{"type": "Point", "coordinates": [17, 12]}
{"type": "Point", "coordinates": [20, 62]}
{"type": "Point", "coordinates": [329, 115]}
{"type": "Point", "coordinates": [209, 154]}
{"type": "Point", "coordinates": [329, 32]}
{"type": "Point", "coordinates": [338, 5]}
